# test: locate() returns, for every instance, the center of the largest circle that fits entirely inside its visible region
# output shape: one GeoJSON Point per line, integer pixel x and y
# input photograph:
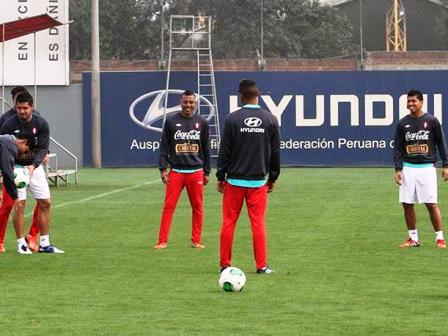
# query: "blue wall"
{"type": "Point", "coordinates": [327, 118]}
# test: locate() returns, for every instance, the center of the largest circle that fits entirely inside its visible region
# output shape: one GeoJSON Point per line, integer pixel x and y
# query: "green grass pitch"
{"type": "Point", "coordinates": [333, 237]}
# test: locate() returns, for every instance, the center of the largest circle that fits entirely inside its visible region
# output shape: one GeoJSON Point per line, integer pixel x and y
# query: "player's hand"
{"type": "Point", "coordinates": [165, 177]}
{"type": "Point", "coordinates": [221, 186]}
{"type": "Point", "coordinates": [445, 174]}
{"type": "Point", "coordinates": [205, 180]}
{"type": "Point", "coordinates": [19, 206]}
{"type": "Point", "coordinates": [270, 186]}
{"type": "Point", "coordinates": [398, 177]}
{"type": "Point", "coordinates": [31, 169]}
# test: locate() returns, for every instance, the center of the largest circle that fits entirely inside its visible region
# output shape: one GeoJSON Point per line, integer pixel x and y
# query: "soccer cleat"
{"type": "Point", "coordinates": [440, 243]}
{"type": "Point", "coordinates": [49, 249]}
{"type": "Point", "coordinates": [23, 249]}
{"type": "Point", "coordinates": [197, 245]}
{"type": "Point", "coordinates": [161, 246]}
{"type": "Point", "coordinates": [410, 243]}
{"type": "Point", "coordinates": [2, 248]}
{"type": "Point", "coordinates": [32, 243]}
{"type": "Point", "coordinates": [265, 270]}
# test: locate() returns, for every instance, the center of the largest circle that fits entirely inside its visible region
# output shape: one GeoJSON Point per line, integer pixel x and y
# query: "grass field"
{"type": "Point", "coordinates": [333, 237]}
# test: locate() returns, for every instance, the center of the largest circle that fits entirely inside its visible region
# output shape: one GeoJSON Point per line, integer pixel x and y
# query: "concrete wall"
{"type": "Point", "coordinates": [61, 106]}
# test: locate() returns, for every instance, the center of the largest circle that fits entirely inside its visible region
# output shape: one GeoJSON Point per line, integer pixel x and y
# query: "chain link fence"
{"type": "Point", "coordinates": [259, 29]}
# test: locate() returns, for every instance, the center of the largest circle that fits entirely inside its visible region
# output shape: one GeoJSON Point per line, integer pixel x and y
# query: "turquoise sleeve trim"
{"type": "Point", "coordinates": [418, 165]}
{"type": "Point", "coordinates": [247, 183]}
{"type": "Point", "coordinates": [251, 106]}
{"type": "Point", "coordinates": [186, 171]}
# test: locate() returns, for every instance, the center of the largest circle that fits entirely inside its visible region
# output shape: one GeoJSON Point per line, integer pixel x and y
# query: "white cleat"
{"type": "Point", "coordinates": [50, 249]}
{"type": "Point", "coordinates": [23, 249]}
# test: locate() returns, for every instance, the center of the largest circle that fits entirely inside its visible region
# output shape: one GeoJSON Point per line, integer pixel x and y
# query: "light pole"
{"type": "Point", "coordinates": [96, 98]}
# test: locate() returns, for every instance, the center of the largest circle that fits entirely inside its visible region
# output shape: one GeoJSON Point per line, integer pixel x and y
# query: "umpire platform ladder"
{"type": "Point", "coordinates": [192, 35]}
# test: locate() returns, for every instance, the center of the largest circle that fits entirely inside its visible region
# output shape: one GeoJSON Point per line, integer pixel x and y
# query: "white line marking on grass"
{"type": "Point", "coordinates": [99, 196]}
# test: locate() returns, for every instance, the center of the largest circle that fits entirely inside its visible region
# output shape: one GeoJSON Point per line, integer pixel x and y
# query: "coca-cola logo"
{"type": "Point", "coordinates": [420, 135]}
{"type": "Point", "coordinates": [191, 135]}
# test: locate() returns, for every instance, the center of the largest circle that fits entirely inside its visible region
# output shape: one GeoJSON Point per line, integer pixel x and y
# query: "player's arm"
{"type": "Point", "coordinates": [205, 145]}
{"type": "Point", "coordinates": [398, 153]}
{"type": "Point", "coordinates": [274, 166]}
{"type": "Point", "coordinates": [441, 146]}
{"type": "Point", "coordinates": [225, 152]}
{"type": "Point", "coordinates": [164, 152]}
{"type": "Point", "coordinates": [42, 145]}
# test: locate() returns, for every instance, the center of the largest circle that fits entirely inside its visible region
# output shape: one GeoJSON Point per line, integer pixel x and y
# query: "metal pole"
{"type": "Point", "coordinates": [35, 70]}
{"type": "Point", "coordinates": [361, 38]}
{"type": "Point", "coordinates": [162, 50]}
{"type": "Point", "coordinates": [96, 103]}
{"type": "Point", "coordinates": [262, 33]}
{"type": "Point", "coordinates": [3, 68]}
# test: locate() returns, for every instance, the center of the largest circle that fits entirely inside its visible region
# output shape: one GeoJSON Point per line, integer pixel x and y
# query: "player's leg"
{"type": "Point", "coordinates": [41, 192]}
{"type": "Point", "coordinates": [18, 220]}
{"type": "Point", "coordinates": [173, 189]}
{"type": "Point", "coordinates": [33, 232]}
{"type": "Point", "coordinates": [195, 187]}
{"type": "Point", "coordinates": [408, 197]}
{"type": "Point", "coordinates": [232, 203]}
{"type": "Point", "coordinates": [5, 210]}
{"type": "Point", "coordinates": [256, 201]}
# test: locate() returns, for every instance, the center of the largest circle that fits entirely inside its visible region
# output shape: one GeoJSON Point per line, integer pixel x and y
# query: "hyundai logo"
{"type": "Point", "coordinates": [156, 108]}
{"type": "Point", "coordinates": [252, 122]}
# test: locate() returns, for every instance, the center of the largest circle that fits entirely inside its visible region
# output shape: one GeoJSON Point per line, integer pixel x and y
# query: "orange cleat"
{"type": "Point", "coordinates": [440, 243]}
{"type": "Point", "coordinates": [197, 245]}
{"type": "Point", "coordinates": [161, 246]}
{"type": "Point", "coordinates": [32, 243]}
{"type": "Point", "coordinates": [2, 249]}
{"type": "Point", "coordinates": [410, 243]}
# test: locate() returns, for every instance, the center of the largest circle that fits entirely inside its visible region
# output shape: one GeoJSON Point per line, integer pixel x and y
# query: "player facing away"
{"type": "Point", "coordinates": [249, 151]}
{"type": "Point", "coordinates": [418, 136]}
{"type": "Point", "coordinates": [184, 161]}
{"type": "Point", "coordinates": [34, 128]}
{"type": "Point", "coordinates": [8, 202]}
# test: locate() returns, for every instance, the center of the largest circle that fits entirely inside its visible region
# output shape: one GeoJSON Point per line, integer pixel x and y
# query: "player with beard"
{"type": "Point", "coordinates": [184, 161]}
{"type": "Point", "coordinates": [34, 128]}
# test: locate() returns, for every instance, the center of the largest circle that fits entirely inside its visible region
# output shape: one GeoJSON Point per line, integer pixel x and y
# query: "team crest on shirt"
{"type": "Point", "coordinates": [34, 130]}
{"type": "Point", "coordinates": [196, 125]}
{"type": "Point", "coordinates": [425, 124]}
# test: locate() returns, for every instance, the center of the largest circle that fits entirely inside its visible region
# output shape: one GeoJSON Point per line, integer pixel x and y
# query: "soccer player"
{"type": "Point", "coordinates": [35, 128]}
{"type": "Point", "coordinates": [10, 147]}
{"type": "Point", "coordinates": [8, 202]}
{"type": "Point", "coordinates": [184, 161]}
{"type": "Point", "coordinates": [249, 151]}
{"type": "Point", "coordinates": [417, 138]}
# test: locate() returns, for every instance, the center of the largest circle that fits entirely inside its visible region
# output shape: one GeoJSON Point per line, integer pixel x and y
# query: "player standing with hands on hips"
{"type": "Point", "coordinates": [418, 136]}
{"type": "Point", "coordinates": [249, 151]}
{"type": "Point", "coordinates": [185, 150]}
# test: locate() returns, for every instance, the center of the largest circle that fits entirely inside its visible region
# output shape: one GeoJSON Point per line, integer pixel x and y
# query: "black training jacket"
{"type": "Point", "coordinates": [417, 141]}
{"type": "Point", "coordinates": [185, 143]}
{"type": "Point", "coordinates": [250, 146]}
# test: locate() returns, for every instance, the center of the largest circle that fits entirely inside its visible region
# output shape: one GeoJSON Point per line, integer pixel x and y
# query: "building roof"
{"type": "Point", "coordinates": [340, 2]}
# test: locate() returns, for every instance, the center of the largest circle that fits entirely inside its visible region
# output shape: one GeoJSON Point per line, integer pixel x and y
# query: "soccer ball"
{"type": "Point", "coordinates": [21, 176]}
{"type": "Point", "coordinates": [232, 279]}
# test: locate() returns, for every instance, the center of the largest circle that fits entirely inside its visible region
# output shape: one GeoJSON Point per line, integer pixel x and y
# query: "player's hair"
{"type": "Point", "coordinates": [17, 89]}
{"type": "Point", "coordinates": [415, 93]}
{"type": "Point", "coordinates": [248, 89]}
{"type": "Point", "coordinates": [188, 93]}
{"type": "Point", "coordinates": [25, 97]}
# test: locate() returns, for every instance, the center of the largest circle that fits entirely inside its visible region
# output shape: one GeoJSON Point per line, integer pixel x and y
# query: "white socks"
{"type": "Point", "coordinates": [413, 234]}
{"type": "Point", "coordinates": [439, 235]}
{"type": "Point", "coordinates": [44, 241]}
{"type": "Point", "coordinates": [21, 241]}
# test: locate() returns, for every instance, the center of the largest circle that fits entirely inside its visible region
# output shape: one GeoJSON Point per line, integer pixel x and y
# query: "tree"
{"type": "Point", "coordinates": [130, 29]}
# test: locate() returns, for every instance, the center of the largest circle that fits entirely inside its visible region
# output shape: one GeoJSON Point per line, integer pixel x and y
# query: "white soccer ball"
{"type": "Point", "coordinates": [21, 176]}
{"type": "Point", "coordinates": [232, 279]}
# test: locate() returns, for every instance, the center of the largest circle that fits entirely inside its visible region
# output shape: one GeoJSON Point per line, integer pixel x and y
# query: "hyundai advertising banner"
{"type": "Point", "coordinates": [326, 118]}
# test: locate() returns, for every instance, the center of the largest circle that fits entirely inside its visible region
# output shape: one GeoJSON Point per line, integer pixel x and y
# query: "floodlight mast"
{"type": "Point", "coordinates": [396, 28]}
